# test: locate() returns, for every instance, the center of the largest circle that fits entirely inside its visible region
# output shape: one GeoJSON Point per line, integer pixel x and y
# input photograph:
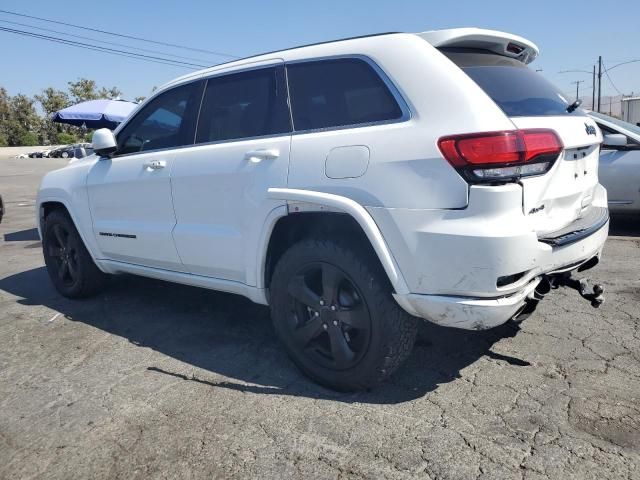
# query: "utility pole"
{"type": "Point", "coordinates": [578, 82]}
{"type": "Point", "coordinates": [599, 81]}
{"type": "Point", "coordinates": [593, 90]}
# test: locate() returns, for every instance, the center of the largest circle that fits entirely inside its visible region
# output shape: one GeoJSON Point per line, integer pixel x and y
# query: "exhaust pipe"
{"type": "Point", "coordinates": [531, 303]}
{"type": "Point", "coordinates": [543, 287]}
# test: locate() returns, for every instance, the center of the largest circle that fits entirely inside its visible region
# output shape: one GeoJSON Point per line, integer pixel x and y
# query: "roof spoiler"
{"type": "Point", "coordinates": [499, 42]}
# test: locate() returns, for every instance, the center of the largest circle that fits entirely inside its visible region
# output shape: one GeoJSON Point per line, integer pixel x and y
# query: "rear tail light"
{"type": "Point", "coordinates": [502, 156]}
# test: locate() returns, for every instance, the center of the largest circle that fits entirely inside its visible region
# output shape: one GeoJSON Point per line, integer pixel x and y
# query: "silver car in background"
{"type": "Point", "coordinates": [619, 170]}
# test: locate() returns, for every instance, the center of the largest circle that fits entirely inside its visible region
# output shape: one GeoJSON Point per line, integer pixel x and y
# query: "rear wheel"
{"type": "Point", "coordinates": [69, 264]}
{"type": "Point", "coordinates": [333, 310]}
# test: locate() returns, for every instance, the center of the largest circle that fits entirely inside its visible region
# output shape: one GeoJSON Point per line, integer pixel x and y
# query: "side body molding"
{"type": "Point", "coordinates": [360, 215]}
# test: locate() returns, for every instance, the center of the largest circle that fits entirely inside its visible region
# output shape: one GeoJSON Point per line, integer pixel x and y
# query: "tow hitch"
{"type": "Point", "coordinates": [593, 294]}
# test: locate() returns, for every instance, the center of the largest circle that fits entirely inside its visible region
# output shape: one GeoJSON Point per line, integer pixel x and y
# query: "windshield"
{"type": "Point", "coordinates": [621, 123]}
{"type": "Point", "coordinates": [516, 89]}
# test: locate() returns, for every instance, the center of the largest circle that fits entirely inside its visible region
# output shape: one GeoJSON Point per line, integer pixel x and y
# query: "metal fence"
{"type": "Point", "coordinates": [608, 105]}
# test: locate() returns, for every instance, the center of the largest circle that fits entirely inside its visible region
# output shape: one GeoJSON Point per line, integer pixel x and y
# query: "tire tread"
{"type": "Point", "coordinates": [92, 278]}
{"type": "Point", "coordinates": [400, 328]}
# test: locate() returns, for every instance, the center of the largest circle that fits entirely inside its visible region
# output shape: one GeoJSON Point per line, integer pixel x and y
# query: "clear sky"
{"type": "Point", "coordinates": [570, 34]}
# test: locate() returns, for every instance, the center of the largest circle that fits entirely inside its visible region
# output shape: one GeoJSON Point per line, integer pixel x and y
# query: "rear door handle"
{"type": "Point", "coordinates": [155, 165]}
{"type": "Point", "coordinates": [256, 156]}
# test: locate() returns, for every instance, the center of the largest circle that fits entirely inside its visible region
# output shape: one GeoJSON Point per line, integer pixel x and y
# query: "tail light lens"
{"type": "Point", "coordinates": [502, 156]}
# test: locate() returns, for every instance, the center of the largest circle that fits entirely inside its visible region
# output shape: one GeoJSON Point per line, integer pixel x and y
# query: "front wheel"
{"type": "Point", "coordinates": [332, 308]}
{"type": "Point", "coordinates": [68, 262]}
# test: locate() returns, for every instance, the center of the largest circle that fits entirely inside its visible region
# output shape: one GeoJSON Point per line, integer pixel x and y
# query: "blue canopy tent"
{"type": "Point", "coordinates": [95, 113]}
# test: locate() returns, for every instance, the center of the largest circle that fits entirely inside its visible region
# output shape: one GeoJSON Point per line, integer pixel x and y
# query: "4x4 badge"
{"type": "Point", "coordinates": [590, 129]}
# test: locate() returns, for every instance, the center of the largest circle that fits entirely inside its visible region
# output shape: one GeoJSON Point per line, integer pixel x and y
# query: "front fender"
{"type": "Point", "coordinates": [67, 186]}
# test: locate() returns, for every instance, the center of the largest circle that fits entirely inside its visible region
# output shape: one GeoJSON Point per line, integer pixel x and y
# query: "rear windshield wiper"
{"type": "Point", "coordinates": [574, 105]}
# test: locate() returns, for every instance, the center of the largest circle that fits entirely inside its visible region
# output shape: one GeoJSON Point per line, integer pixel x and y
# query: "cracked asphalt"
{"type": "Point", "coordinates": [153, 380]}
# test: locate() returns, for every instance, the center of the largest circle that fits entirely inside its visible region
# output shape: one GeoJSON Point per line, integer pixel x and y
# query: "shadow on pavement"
{"type": "Point", "coordinates": [623, 225]}
{"type": "Point", "coordinates": [230, 336]}
{"type": "Point", "coordinates": [29, 235]}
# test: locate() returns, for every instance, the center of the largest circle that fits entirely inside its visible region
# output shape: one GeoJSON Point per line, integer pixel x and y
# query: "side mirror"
{"type": "Point", "coordinates": [615, 140]}
{"type": "Point", "coordinates": [104, 142]}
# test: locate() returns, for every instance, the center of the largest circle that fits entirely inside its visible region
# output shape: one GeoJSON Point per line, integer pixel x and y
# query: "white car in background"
{"type": "Point", "coordinates": [620, 163]}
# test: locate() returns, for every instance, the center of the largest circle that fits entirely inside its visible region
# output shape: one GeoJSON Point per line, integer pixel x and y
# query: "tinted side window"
{"type": "Point", "coordinates": [333, 93]}
{"type": "Point", "coordinates": [167, 121]}
{"type": "Point", "coordinates": [245, 104]}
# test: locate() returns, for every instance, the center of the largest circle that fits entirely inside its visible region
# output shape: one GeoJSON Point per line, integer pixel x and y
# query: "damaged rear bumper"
{"type": "Point", "coordinates": [471, 313]}
{"type": "Point", "coordinates": [464, 312]}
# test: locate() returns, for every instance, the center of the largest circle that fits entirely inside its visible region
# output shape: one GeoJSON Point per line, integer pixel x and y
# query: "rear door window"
{"type": "Point", "coordinates": [516, 89]}
{"type": "Point", "coordinates": [338, 92]}
{"type": "Point", "coordinates": [244, 105]}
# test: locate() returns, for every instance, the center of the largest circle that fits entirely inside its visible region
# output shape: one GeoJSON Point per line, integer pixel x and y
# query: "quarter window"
{"type": "Point", "coordinates": [244, 104]}
{"type": "Point", "coordinates": [167, 121]}
{"type": "Point", "coordinates": [338, 92]}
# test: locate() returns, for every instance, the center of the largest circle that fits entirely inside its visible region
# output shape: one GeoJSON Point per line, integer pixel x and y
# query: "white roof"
{"type": "Point", "coordinates": [493, 40]}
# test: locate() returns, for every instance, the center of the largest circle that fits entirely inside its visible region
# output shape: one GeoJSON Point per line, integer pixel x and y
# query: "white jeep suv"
{"type": "Point", "coordinates": [352, 186]}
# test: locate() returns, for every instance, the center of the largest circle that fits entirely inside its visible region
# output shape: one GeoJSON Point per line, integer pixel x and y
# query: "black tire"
{"type": "Point", "coordinates": [68, 262]}
{"type": "Point", "coordinates": [359, 344]}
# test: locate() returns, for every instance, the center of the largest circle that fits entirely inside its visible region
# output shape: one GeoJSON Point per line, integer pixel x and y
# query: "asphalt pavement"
{"type": "Point", "coordinates": [154, 380]}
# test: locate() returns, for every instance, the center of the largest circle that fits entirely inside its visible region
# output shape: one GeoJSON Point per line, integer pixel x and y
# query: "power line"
{"type": "Point", "coordinates": [98, 48]}
{"type": "Point", "coordinates": [611, 81]}
{"type": "Point", "coordinates": [101, 48]}
{"type": "Point", "coordinates": [624, 63]}
{"type": "Point", "coordinates": [101, 41]}
{"type": "Point", "coordinates": [131, 37]}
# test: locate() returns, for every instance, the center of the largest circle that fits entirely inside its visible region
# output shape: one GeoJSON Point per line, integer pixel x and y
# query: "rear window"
{"type": "Point", "coordinates": [516, 89]}
{"type": "Point", "coordinates": [338, 92]}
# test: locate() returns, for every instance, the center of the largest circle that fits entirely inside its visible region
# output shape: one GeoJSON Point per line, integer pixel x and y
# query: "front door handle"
{"type": "Point", "coordinates": [256, 156]}
{"type": "Point", "coordinates": [155, 165]}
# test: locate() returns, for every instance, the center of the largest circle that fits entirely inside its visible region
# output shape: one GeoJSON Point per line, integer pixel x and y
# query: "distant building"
{"type": "Point", "coordinates": [631, 110]}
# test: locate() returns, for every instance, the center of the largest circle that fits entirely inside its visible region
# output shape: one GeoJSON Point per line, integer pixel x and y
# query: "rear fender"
{"type": "Point", "coordinates": [360, 215]}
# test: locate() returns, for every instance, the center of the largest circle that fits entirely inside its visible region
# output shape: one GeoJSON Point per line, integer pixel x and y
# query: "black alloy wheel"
{"type": "Point", "coordinates": [70, 266]}
{"type": "Point", "coordinates": [329, 319]}
{"type": "Point", "coordinates": [332, 308]}
{"type": "Point", "coordinates": [64, 253]}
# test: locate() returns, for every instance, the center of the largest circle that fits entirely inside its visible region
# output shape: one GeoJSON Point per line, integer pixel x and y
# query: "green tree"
{"type": "Point", "coordinates": [20, 123]}
{"type": "Point", "coordinates": [112, 93]}
{"type": "Point", "coordinates": [28, 138]}
{"type": "Point", "coordinates": [51, 100]}
{"type": "Point", "coordinates": [23, 126]}
{"type": "Point", "coordinates": [64, 138]}
{"type": "Point", "coordinates": [84, 89]}
{"type": "Point", "coordinates": [5, 115]}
